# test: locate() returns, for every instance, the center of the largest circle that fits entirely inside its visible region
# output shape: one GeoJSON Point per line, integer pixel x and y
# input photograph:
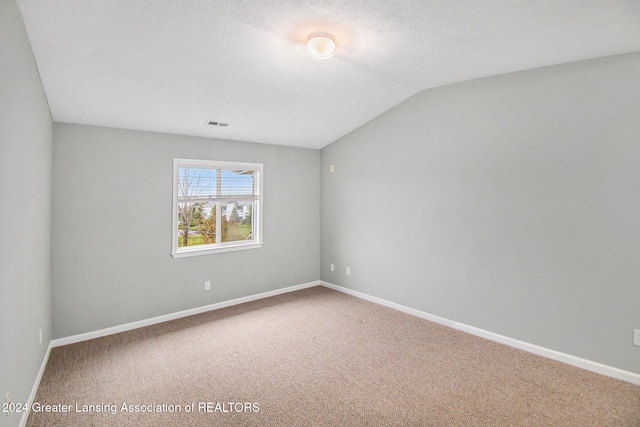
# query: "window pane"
{"type": "Point", "coordinates": [194, 221]}
{"type": "Point", "coordinates": [195, 188]}
{"type": "Point", "coordinates": [196, 184]}
{"type": "Point", "coordinates": [236, 183]}
{"type": "Point", "coordinates": [237, 221]}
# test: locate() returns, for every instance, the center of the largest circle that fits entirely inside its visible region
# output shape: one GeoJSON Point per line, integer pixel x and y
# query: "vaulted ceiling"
{"type": "Point", "coordinates": [172, 65]}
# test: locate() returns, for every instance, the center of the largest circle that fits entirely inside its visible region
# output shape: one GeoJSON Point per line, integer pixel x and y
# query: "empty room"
{"type": "Point", "coordinates": [320, 213]}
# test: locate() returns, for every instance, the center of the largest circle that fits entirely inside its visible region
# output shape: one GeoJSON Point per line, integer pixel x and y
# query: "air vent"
{"type": "Point", "coordinates": [220, 124]}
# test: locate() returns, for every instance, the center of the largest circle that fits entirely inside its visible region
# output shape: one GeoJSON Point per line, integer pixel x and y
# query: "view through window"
{"type": "Point", "coordinates": [216, 206]}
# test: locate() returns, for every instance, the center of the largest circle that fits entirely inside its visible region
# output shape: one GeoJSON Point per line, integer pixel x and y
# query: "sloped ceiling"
{"type": "Point", "coordinates": [172, 65]}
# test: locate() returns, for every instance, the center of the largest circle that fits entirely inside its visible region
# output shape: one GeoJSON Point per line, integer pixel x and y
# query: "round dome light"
{"type": "Point", "coordinates": [321, 45]}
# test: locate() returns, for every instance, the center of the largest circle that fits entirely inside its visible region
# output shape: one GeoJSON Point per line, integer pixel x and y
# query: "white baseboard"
{"type": "Point", "coordinates": [154, 320]}
{"type": "Point", "coordinates": [531, 348]}
{"type": "Point", "coordinates": [589, 365]}
{"type": "Point", "coordinates": [34, 389]}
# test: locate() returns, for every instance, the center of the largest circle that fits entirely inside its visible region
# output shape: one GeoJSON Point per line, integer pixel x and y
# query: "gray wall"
{"type": "Point", "coordinates": [112, 211]}
{"type": "Point", "coordinates": [509, 203]}
{"type": "Point", "coordinates": [25, 213]}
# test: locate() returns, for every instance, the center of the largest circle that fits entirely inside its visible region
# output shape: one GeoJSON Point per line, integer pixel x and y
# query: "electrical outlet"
{"type": "Point", "coordinates": [332, 267]}
{"type": "Point", "coordinates": [636, 337]}
{"type": "Point", "coordinates": [207, 285]}
{"type": "Point", "coordinates": [40, 336]}
{"type": "Point", "coordinates": [331, 168]}
{"type": "Point", "coordinates": [348, 271]}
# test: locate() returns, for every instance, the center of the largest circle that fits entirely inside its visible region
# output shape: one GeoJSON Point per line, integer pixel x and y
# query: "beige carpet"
{"type": "Point", "coordinates": [318, 357]}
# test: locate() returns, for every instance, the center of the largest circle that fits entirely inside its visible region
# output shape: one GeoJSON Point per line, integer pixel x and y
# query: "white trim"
{"type": "Point", "coordinates": [165, 318]}
{"type": "Point", "coordinates": [579, 362]}
{"type": "Point", "coordinates": [36, 385]}
{"type": "Point", "coordinates": [210, 249]}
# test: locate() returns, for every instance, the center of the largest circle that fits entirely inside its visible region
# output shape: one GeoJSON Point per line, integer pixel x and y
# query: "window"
{"type": "Point", "coordinates": [216, 207]}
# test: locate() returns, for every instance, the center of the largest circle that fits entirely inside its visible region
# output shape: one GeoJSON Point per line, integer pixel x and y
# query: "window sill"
{"type": "Point", "coordinates": [195, 251]}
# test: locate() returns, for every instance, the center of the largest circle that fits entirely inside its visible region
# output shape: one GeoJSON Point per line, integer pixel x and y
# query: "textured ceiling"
{"type": "Point", "coordinates": [171, 65]}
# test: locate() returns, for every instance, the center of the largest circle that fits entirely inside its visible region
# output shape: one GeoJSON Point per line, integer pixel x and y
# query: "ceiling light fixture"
{"type": "Point", "coordinates": [321, 45]}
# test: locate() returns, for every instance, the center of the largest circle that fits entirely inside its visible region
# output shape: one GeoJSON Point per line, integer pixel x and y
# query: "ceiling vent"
{"type": "Point", "coordinates": [220, 124]}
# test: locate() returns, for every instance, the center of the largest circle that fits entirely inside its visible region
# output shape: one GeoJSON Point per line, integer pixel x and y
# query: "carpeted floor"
{"type": "Point", "coordinates": [318, 357]}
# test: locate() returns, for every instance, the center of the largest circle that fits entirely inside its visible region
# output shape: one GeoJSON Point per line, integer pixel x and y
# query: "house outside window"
{"type": "Point", "coordinates": [216, 207]}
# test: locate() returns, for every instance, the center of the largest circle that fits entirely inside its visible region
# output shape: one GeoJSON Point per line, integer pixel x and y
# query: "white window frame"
{"type": "Point", "coordinates": [205, 249]}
